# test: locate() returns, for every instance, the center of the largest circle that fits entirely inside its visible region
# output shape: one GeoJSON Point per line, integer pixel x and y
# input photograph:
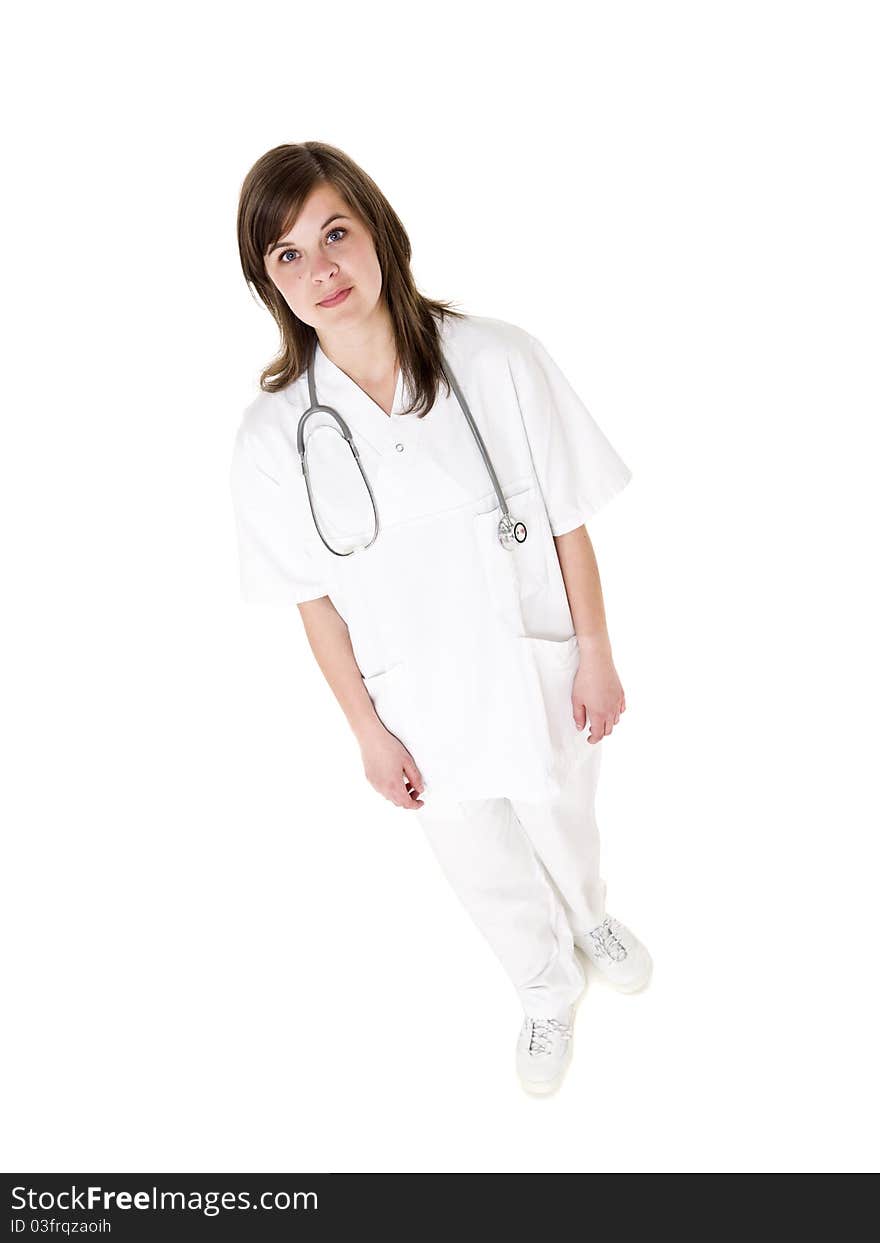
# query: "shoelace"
{"type": "Point", "coordinates": [541, 1034]}
{"type": "Point", "coordinates": [606, 942]}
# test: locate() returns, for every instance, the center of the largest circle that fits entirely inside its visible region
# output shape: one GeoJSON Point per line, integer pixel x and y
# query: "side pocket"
{"type": "Point", "coordinates": [387, 691]}
{"type": "Point", "coordinates": [556, 662]}
{"type": "Point", "coordinates": [375, 681]}
{"type": "Point", "coordinates": [561, 654]}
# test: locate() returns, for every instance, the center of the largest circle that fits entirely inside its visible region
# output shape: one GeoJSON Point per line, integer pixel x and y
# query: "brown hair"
{"type": "Point", "coordinates": [272, 196]}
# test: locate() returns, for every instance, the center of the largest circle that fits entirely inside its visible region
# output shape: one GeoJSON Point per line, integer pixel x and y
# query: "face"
{"type": "Point", "coordinates": [328, 249]}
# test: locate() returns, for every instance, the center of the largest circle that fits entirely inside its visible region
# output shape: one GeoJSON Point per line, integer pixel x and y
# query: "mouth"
{"type": "Point", "coordinates": [335, 299]}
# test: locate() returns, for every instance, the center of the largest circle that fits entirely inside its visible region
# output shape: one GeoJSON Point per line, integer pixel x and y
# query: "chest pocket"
{"type": "Point", "coordinates": [516, 578]}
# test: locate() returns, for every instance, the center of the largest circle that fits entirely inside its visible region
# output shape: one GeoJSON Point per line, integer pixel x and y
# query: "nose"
{"type": "Point", "coordinates": [322, 271]}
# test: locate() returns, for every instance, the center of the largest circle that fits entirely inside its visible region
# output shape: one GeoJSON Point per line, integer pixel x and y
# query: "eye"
{"type": "Point", "coordinates": [291, 251]}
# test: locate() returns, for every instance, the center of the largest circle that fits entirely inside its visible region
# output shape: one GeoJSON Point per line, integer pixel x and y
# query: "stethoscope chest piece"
{"type": "Point", "coordinates": [510, 532]}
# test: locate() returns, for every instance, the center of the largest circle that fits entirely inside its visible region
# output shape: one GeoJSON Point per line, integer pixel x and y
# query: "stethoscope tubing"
{"type": "Point", "coordinates": [508, 530]}
{"type": "Point", "coordinates": [479, 439]}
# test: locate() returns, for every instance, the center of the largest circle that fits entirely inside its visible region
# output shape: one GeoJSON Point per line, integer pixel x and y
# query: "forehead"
{"type": "Point", "coordinates": [321, 206]}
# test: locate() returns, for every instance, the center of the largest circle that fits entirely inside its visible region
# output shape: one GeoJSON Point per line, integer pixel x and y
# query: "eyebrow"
{"type": "Point", "coordinates": [277, 245]}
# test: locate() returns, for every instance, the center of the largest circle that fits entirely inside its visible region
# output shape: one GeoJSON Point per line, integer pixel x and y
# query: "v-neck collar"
{"type": "Point", "coordinates": [327, 372]}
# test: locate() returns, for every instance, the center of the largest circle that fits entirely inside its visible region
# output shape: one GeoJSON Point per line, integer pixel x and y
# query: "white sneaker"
{"type": "Point", "coordinates": [618, 954]}
{"type": "Point", "coordinates": [543, 1052]}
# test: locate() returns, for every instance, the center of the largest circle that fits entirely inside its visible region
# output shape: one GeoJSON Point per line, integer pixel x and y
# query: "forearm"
{"type": "Point", "coordinates": [330, 642]}
{"type": "Point", "coordinates": [580, 572]}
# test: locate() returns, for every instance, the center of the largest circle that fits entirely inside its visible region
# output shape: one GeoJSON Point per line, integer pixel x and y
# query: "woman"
{"type": "Point", "coordinates": [466, 646]}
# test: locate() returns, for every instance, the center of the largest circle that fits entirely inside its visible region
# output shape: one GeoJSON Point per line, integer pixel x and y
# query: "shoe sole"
{"type": "Point", "coordinates": [634, 987]}
{"type": "Point", "coordinates": [546, 1089]}
{"type": "Point", "coordinates": [542, 1089]}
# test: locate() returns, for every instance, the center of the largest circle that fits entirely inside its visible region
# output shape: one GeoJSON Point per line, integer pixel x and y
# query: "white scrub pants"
{"type": "Point", "coordinates": [528, 874]}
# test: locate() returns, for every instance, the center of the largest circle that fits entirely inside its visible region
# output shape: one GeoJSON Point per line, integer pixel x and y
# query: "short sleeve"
{"type": "Point", "coordinates": [579, 470]}
{"type": "Point", "coordinates": [276, 565]}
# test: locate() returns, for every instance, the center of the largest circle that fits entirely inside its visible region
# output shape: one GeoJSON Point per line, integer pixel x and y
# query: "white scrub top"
{"type": "Point", "coordinates": [467, 649]}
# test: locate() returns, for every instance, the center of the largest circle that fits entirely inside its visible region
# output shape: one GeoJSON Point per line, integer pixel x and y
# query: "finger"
{"type": "Point", "coordinates": [579, 712]}
{"type": "Point", "coordinates": [412, 774]}
{"type": "Point", "coordinates": [399, 797]}
{"type": "Point", "coordinates": [394, 791]}
{"type": "Point", "coordinates": [412, 799]}
{"type": "Point", "coordinates": [409, 796]}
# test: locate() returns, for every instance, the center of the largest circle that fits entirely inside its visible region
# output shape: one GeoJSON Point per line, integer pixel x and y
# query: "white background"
{"type": "Point", "coordinates": [224, 951]}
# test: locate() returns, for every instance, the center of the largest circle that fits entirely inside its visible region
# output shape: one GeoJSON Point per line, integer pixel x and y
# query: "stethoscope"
{"type": "Point", "coordinates": [510, 533]}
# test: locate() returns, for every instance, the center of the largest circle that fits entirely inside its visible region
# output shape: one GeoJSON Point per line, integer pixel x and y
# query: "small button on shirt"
{"type": "Point", "coordinates": [466, 647]}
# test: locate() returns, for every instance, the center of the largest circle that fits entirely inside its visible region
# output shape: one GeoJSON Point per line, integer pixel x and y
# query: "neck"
{"type": "Point", "coordinates": [366, 351]}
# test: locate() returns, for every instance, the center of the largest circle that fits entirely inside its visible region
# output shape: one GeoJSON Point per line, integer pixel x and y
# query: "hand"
{"type": "Point", "coordinates": [597, 692]}
{"type": "Point", "coordinates": [390, 769]}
